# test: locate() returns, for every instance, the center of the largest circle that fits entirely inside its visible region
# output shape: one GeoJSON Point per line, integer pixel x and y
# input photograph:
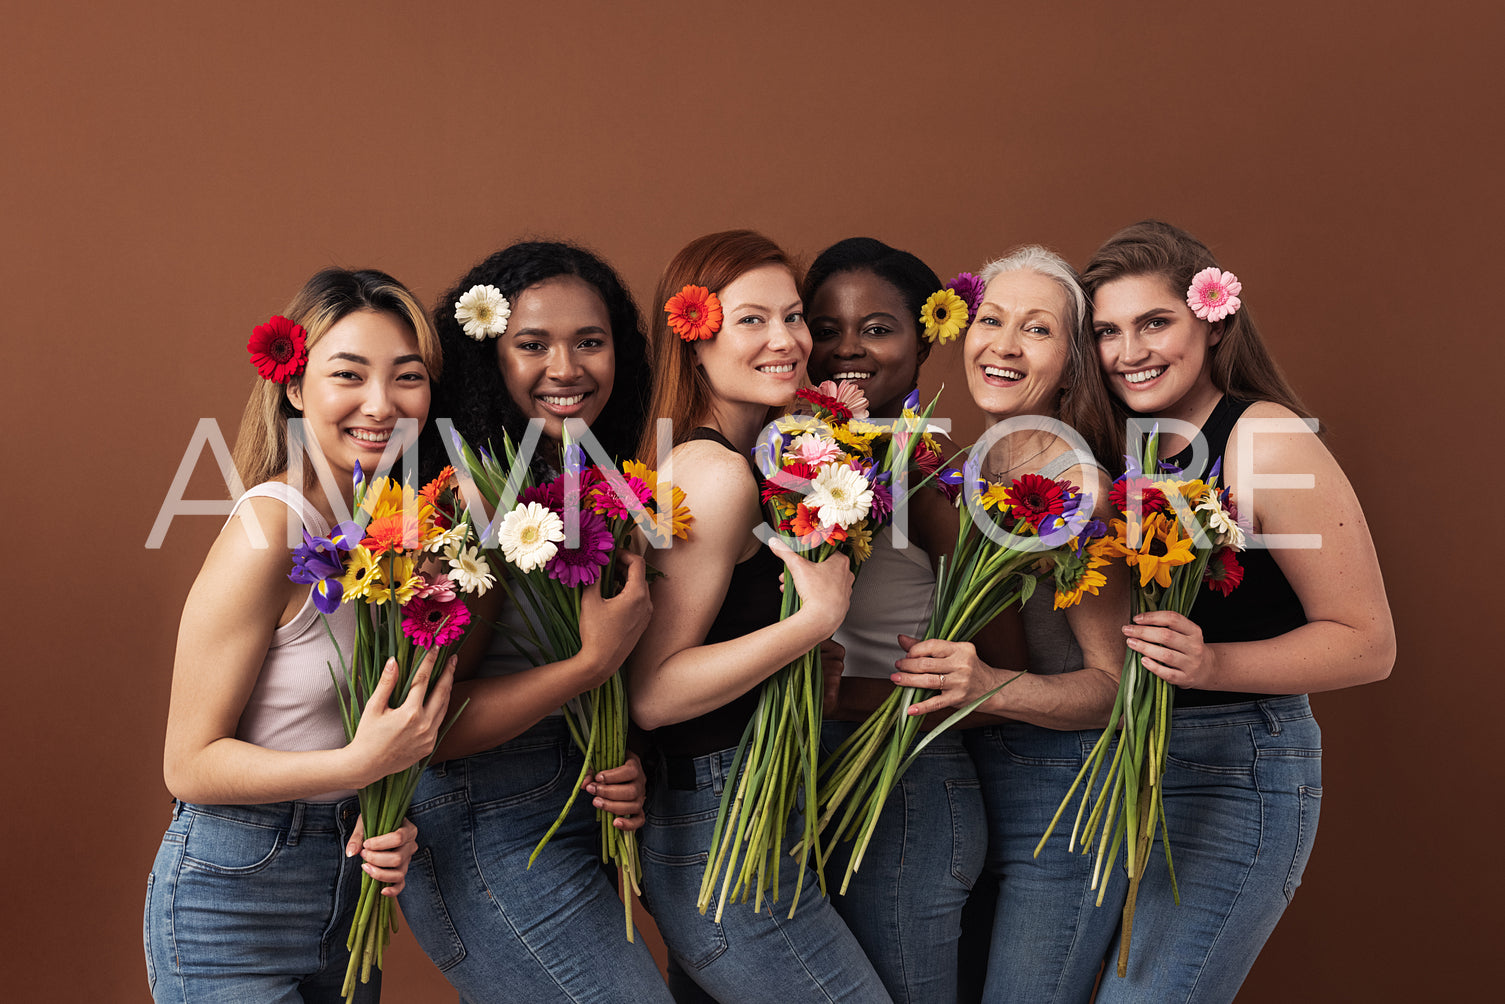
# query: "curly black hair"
{"type": "Point", "coordinates": [914, 280]}
{"type": "Point", "coordinates": [473, 394]}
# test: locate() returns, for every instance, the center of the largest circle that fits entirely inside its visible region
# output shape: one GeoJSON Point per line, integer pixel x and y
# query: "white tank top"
{"type": "Point", "coordinates": [893, 595]}
{"type": "Point", "coordinates": [294, 704]}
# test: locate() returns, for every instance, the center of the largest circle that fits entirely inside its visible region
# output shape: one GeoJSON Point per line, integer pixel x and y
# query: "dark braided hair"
{"type": "Point", "coordinates": [473, 393]}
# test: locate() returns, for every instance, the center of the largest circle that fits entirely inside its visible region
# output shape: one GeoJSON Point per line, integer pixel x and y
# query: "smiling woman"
{"type": "Point", "coordinates": [252, 892]}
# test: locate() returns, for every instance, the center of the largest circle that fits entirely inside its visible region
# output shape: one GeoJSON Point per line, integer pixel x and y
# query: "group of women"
{"type": "Point", "coordinates": [252, 891]}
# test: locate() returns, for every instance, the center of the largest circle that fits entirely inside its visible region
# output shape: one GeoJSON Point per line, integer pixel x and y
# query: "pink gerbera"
{"type": "Point", "coordinates": [605, 500]}
{"type": "Point", "coordinates": [1213, 294]}
{"type": "Point", "coordinates": [814, 449]}
{"type": "Point", "coordinates": [432, 622]}
{"type": "Point", "coordinates": [848, 393]}
{"type": "Point", "coordinates": [581, 565]}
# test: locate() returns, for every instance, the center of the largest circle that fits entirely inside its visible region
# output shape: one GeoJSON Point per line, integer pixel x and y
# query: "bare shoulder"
{"type": "Point", "coordinates": [1282, 442]}
{"type": "Point", "coordinates": [248, 563]}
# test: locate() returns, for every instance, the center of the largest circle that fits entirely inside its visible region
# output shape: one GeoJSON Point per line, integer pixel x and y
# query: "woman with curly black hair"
{"type": "Point", "coordinates": [538, 333]}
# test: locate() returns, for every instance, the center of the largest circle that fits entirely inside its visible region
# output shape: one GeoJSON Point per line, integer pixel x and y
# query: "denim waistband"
{"type": "Point", "coordinates": [295, 817]}
{"type": "Point", "coordinates": [1270, 711]}
{"type": "Point", "coordinates": [949, 742]}
{"type": "Point", "coordinates": [691, 773]}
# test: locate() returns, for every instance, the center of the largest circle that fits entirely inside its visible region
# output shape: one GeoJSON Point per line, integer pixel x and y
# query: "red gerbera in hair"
{"type": "Point", "coordinates": [694, 312]}
{"type": "Point", "coordinates": [279, 349]}
{"type": "Point", "coordinates": [838, 409]}
{"type": "Point", "coordinates": [1224, 572]}
{"type": "Point", "coordinates": [1032, 498]}
{"type": "Point", "coordinates": [1151, 499]}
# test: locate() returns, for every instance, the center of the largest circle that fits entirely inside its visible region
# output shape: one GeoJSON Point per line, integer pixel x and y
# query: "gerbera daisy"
{"type": "Point", "coordinates": [483, 312]}
{"type": "Point", "coordinates": [360, 575]}
{"type": "Point", "coordinates": [529, 535]}
{"type": "Point", "coordinates": [807, 526]}
{"type": "Point", "coordinates": [431, 622]}
{"type": "Point", "coordinates": [279, 349]}
{"type": "Point", "coordinates": [838, 409]}
{"type": "Point", "coordinates": [970, 288]}
{"type": "Point", "coordinates": [581, 565]}
{"type": "Point", "coordinates": [813, 448]}
{"type": "Point", "coordinates": [849, 393]}
{"type": "Point", "coordinates": [694, 313]}
{"type": "Point", "coordinates": [1224, 573]}
{"type": "Point", "coordinates": [1033, 499]}
{"type": "Point", "coordinates": [469, 568]}
{"type": "Point", "coordinates": [841, 495]}
{"type": "Point", "coordinates": [860, 538]}
{"type": "Point", "coordinates": [944, 316]}
{"type": "Point", "coordinates": [1222, 522]}
{"type": "Point", "coordinates": [1151, 499]}
{"type": "Point", "coordinates": [1213, 294]}
{"type": "Point", "coordinates": [393, 533]}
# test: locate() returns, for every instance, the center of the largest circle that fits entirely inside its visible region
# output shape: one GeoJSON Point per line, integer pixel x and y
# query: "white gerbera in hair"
{"type": "Point", "coordinates": [483, 312]}
{"type": "Point", "coordinates": [530, 535]}
{"type": "Point", "coordinates": [840, 495]}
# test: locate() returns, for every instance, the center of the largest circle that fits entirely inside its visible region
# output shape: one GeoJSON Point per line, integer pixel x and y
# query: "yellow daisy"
{"type": "Point", "coordinates": [944, 316]}
{"type": "Point", "coordinates": [361, 573]}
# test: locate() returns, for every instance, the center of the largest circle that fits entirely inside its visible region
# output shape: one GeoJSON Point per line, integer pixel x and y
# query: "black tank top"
{"type": "Point", "coordinates": [1263, 605]}
{"type": "Point", "coordinates": [752, 601]}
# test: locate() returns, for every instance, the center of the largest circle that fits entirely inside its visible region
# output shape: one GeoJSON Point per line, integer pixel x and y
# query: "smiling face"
{"type": "Point", "coordinates": [1154, 351]}
{"type": "Point", "coordinates": [757, 360]}
{"type": "Point", "coordinates": [556, 356]}
{"type": "Point", "coordinates": [363, 375]}
{"type": "Point", "coordinates": [862, 330]}
{"type": "Point", "coordinates": [1017, 346]}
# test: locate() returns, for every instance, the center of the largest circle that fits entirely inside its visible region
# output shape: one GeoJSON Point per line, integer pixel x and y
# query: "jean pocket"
{"type": "Point", "coordinates": [230, 846]}
{"type": "Point", "coordinates": [1037, 750]}
{"type": "Point", "coordinates": [146, 934]}
{"type": "Point", "coordinates": [1224, 750]}
{"type": "Point", "coordinates": [515, 773]}
{"type": "Point", "coordinates": [969, 830]}
{"type": "Point", "coordinates": [1306, 835]}
{"type": "Point", "coordinates": [423, 905]}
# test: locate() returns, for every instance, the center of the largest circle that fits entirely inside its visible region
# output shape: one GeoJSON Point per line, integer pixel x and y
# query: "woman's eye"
{"type": "Point", "coordinates": [798, 317]}
{"type": "Point", "coordinates": [1155, 323]}
{"type": "Point", "coordinates": [992, 321]}
{"type": "Point", "coordinates": [530, 346]}
{"type": "Point", "coordinates": [1103, 332]}
{"type": "Point", "coordinates": [413, 377]}
{"type": "Point", "coordinates": [821, 334]}
{"type": "Point", "coordinates": [346, 375]}
{"type": "Point", "coordinates": [1038, 329]}
{"type": "Point", "coordinates": [591, 343]}
{"type": "Point", "coordinates": [750, 319]}
{"type": "Point", "coordinates": [876, 330]}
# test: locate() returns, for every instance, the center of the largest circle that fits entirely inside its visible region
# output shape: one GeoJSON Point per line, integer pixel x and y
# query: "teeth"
{"type": "Point", "coordinates": [563, 402]}
{"type": "Point", "coordinates": [781, 368]}
{"type": "Point", "coordinates": [1144, 375]}
{"type": "Point", "coordinates": [371, 437]}
{"type": "Point", "coordinates": [1001, 373]}
{"type": "Point", "coordinates": [852, 375]}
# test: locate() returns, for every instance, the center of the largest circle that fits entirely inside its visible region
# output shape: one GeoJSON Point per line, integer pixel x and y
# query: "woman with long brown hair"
{"type": "Point", "coordinates": [737, 354]}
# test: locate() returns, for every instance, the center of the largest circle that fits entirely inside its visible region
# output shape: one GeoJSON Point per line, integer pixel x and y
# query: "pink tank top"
{"type": "Point", "coordinates": [294, 705]}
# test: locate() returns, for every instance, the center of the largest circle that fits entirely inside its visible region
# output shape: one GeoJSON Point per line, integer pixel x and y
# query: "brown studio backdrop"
{"type": "Point", "coordinates": [174, 171]}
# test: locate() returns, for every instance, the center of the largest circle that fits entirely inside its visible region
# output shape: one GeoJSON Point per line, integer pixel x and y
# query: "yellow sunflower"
{"type": "Point", "coordinates": [944, 316]}
{"type": "Point", "coordinates": [1161, 548]}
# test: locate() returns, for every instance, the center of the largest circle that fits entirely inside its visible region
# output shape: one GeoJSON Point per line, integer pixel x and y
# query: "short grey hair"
{"type": "Point", "coordinates": [1034, 258]}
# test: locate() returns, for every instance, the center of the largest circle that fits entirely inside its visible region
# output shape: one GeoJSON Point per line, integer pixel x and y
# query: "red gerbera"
{"type": "Point", "coordinates": [806, 526]}
{"type": "Point", "coordinates": [1032, 498]}
{"type": "Point", "coordinates": [1151, 499]}
{"type": "Point", "coordinates": [838, 409]}
{"type": "Point", "coordinates": [1224, 573]}
{"type": "Point", "coordinates": [694, 312]}
{"type": "Point", "coordinates": [279, 349]}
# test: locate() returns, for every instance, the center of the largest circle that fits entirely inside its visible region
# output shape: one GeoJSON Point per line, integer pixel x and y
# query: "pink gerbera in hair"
{"type": "Point", "coordinates": [1213, 294]}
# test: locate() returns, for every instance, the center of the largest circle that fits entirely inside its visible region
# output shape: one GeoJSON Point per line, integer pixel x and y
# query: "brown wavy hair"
{"type": "Point", "coordinates": [1241, 364]}
{"type": "Point", "coordinates": [680, 391]}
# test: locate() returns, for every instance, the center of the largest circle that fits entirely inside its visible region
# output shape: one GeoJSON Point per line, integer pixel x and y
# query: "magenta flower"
{"type": "Point", "coordinates": [1213, 294]}
{"type": "Point", "coordinates": [581, 566]}
{"type": "Point", "coordinates": [605, 500]}
{"type": "Point", "coordinates": [432, 622]}
{"type": "Point", "coordinates": [969, 287]}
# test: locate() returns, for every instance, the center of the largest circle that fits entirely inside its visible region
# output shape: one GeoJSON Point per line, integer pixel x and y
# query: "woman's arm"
{"type": "Point", "coordinates": [1349, 637]}
{"type": "Point", "coordinates": [672, 675]}
{"type": "Point", "coordinates": [503, 707]}
{"type": "Point", "coordinates": [227, 626]}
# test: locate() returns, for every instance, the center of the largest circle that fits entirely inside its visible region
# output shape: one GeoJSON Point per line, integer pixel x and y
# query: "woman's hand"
{"type": "Point", "coordinates": [390, 739]}
{"type": "Point", "coordinates": [620, 791]}
{"type": "Point", "coordinates": [950, 667]}
{"type": "Point", "coordinates": [609, 629]}
{"type": "Point", "coordinates": [1171, 647]}
{"type": "Point", "coordinates": [385, 857]}
{"type": "Point", "coordinates": [825, 587]}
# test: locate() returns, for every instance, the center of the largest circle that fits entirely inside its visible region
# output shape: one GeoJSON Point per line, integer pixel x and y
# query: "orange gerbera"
{"type": "Point", "coordinates": [805, 524]}
{"type": "Point", "coordinates": [694, 313]}
{"type": "Point", "coordinates": [398, 532]}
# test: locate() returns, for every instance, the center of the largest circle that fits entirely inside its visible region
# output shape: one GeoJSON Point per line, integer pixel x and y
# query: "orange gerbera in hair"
{"type": "Point", "coordinates": [694, 313]}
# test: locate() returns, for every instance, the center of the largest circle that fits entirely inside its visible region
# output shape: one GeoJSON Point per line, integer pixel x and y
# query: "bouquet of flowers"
{"type": "Point", "coordinates": [831, 487]}
{"type": "Point", "coordinates": [404, 613]}
{"type": "Point", "coordinates": [547, 576]}
{"type": "Point", "coordinates": [1177, 533]}
{"type": "Point", "coordinates": [1044, 525]}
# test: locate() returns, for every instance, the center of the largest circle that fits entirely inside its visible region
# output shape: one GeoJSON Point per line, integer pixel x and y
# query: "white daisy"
{"type": "Point", "coordinates": [468, 569]}
{"type": "Point", "coordinates": [483, 312]}
{"type": "Point", "coordinates": [839, 495]}
{"type": "Point", "coordinates": [529, 535]}
{"type": "Point", "coordinates": [447, 539]}
{"type": "Point", "coordinates": [1221, 522]}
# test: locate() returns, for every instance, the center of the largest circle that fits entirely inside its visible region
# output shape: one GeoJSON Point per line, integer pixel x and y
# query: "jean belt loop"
{"type": "Point", "coordinates": [177, 807]}
{"type": "Point", "coordinates": [1271, 721]}
{"type": "Point", "coordinates": [296, 826]}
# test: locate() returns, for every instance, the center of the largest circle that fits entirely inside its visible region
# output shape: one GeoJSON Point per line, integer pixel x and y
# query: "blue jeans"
{"type": "Point", "coordinates": [904, 904]}
{"type": "Point", "coordinates": [497, 929]}
{"type": "Point", "coordinates": [1243, 790]}
{"type": "Point", "coordinates": [253, 903]}
{"type": "Point", "coordinates": [748, 956]}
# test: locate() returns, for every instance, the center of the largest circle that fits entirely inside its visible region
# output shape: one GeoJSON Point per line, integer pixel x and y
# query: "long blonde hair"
{"type": "Point", "coordinates": [261, 445]}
